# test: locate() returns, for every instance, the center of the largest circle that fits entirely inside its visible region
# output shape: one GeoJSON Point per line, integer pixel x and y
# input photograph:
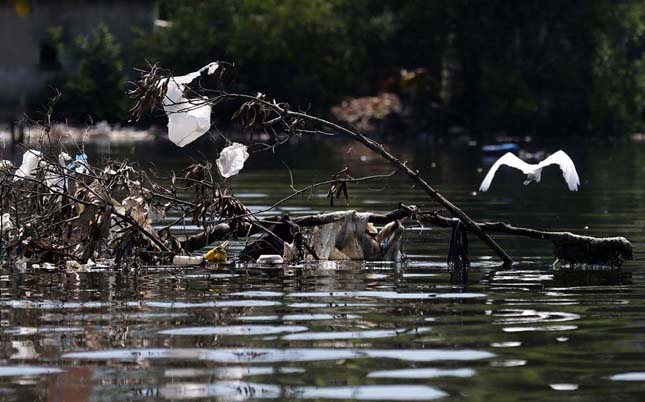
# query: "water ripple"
{"type": "Point", "coordinates": [519, 316]}
{"type": "Point", "coordinates": [234, 330]}
{"type": "Point", "coordinates": [20, 371]}
{"type": "Point", "coordinates": [541, 328]}
{"type": "Point", "coordinates": [280, 355]}
{"type": "Point", "coordinates": [238, 391]}
{"type": "Point", "coordinates": [387, 295]}
{"type": "Point", "coordinates": [300, 317]}
{"type": "Point", "coordinates": [422, 373]}
{"type": "Point", "coordinates": [635, 376]}
{"type": "Point", "coordinates": [368, 334]}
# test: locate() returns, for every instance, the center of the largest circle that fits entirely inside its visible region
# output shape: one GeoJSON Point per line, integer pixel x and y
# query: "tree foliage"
{"type": "Point", "coordinates": [536, 66]}
{"type": "Point", "coordinates": [93, 85]}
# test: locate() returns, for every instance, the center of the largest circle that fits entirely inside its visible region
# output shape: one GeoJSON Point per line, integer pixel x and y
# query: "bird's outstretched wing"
{"type": "Point", "coordinates": [507, 159]}
{"type": "Point", "coordinates": [566, 165]}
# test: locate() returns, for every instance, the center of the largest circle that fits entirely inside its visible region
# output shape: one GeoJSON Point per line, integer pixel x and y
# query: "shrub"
{"type": "Point", "coordinates": [93, 86]}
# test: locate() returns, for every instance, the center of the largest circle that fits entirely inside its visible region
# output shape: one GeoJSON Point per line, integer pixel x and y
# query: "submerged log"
{"type": "Point", "coordinates": [590, 250]}
{"type": "Point", "coordinates": [198, 241]}
{"type": "Point", "coordinates": [223, 231]}
{"type": "Point", "coordinates": [567, 246]}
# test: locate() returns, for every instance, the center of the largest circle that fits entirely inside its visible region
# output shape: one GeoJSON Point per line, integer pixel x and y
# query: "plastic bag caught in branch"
{"type": "Point", "coordinates": [188, 119]}
{"type": "Point", "coordinates": [53, 179]}
{"type": "Point", "coordinates": [6, 223]}
{"type": "Point", "coordinates": [32, 160]}
{"type": "Point", "coordinates": [6, 165]}
{"type": "Point", "coordinates": [29, 164]}
{"type": "Point", "coordinates": [231, 159]}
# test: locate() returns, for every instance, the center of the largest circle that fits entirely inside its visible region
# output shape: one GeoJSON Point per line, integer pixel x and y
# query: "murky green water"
{"type": "Point", "coordinates": [356, 331]}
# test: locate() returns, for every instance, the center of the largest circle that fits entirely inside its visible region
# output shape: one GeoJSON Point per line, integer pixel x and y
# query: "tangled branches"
{"type": "Point", "coordinates": [61, 210]}
{"type": "Point", "coordinates": [282, 122]}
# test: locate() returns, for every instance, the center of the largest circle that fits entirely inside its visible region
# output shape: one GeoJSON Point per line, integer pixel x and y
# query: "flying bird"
{"type": "Point", "coordinates": [533, 172]}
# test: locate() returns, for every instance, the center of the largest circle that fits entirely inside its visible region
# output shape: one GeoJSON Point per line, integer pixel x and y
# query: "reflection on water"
{"type": "Point", "coordinates": [234, 391]}
{"type": "Point", "coordinates": [251, 355]}
{"type": "Point", "coordinates": [352, 331]}
{"type": "Point", "coordinates": [422, 373]}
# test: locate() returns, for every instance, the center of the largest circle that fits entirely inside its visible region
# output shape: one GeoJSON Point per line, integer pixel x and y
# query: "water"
{"type": "Point", "coordinates": [355, 331]}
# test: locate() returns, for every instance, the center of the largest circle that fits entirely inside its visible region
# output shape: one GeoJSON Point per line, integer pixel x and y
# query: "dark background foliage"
{"type": "Point", "coordinates": [546, 67]}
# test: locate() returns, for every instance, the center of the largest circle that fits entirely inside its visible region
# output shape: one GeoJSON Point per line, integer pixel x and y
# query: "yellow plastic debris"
{"type": "Point", "coordinates": [217, 255]}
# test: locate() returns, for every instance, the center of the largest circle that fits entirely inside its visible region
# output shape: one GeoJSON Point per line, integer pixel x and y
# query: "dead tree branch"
{"type": "Point", "coordinates": [567, 246]}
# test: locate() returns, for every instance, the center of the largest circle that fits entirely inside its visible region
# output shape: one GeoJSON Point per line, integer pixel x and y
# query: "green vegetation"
{"type": "Point", "coordinates": [543, 66]}
{"type": "Point", "coordinates": [94, 86]}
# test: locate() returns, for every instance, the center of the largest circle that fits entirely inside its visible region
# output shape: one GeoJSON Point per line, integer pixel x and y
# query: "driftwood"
{"type": "Point", "coordinates": [200, 240]}
{"type": "Point", "coordinates": [223, 231]}
{"type": "Point", "coordinates": [568, 247]}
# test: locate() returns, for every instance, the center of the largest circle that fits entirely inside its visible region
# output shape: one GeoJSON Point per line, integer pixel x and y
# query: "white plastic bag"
{"type": "Point", "coordinates": [5, 222]}
{"type": "Point", "coordinates": [53, 179]}
{"type": "Point", "coordinates": [185, 127]}
{"type": "Point", "coordinates": [188, 119]}
{"type": "Point", "coordinates": [29, 164]}
{"type": "Point", "coordinates": [33, 159]}
{"type": "Point", "coordinates": [231, 159]}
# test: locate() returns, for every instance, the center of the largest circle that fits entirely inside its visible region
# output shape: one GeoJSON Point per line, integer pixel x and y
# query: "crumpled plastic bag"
{"type": "Point", "coordinates": [79, 164]}
{"type": "Point", "coordinates": [188, 119]}
{"type": "Point", "coordinates": [29, 164]}
{"type": "Point", "coordinates": [6, 223]}
{"type": "Point", "coordinates": [353, 238]}
{"type": "Point", "coordinates": [231, 159]}
{"type": "Point", "coordinates": [53, 179]}
{"type": "Point", "coordinates": [32, 160]}
{"type": "Point", "coordinates": [136, 206]}
{"type": "Point", "coordinates": [6, 165]}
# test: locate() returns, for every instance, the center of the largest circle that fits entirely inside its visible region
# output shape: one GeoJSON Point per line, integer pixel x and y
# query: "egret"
{"type": "Point", "coordinates": [533, 172]}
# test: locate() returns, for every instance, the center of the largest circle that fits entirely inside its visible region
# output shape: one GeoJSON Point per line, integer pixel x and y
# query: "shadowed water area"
{"type": "Point", "coordinates": [355, 331]}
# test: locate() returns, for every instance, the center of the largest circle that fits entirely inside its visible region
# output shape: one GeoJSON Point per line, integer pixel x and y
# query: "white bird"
{"type": "Point", "coordinates": [534, 172]}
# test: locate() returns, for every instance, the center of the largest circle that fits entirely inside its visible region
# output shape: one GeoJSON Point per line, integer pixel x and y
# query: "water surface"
{"type": "Point", "coordinates": [355, 331]}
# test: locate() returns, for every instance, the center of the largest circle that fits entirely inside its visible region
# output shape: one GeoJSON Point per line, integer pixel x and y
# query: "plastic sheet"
{"type": "Point", "coordinates": [353, 238]}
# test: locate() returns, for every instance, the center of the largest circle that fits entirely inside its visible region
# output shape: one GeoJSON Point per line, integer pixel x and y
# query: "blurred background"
{"type": "Point", "coordinates": [540, 68]}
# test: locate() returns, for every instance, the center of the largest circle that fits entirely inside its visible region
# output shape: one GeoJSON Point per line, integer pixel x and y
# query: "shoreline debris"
{"type": "Point", "coordinates": [68, 212]}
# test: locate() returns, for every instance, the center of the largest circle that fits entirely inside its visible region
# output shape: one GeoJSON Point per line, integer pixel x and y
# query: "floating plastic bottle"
{"type": "Point", "coordinates": [187, 260]}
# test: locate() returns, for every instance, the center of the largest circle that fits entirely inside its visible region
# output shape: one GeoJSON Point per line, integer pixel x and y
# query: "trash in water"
{"type": "Point", "coordinates": [187, 260]}
{"type": "Point", "coordinates": [270, 259]}
{"type": "Point", "coordinates": [217, 255]}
